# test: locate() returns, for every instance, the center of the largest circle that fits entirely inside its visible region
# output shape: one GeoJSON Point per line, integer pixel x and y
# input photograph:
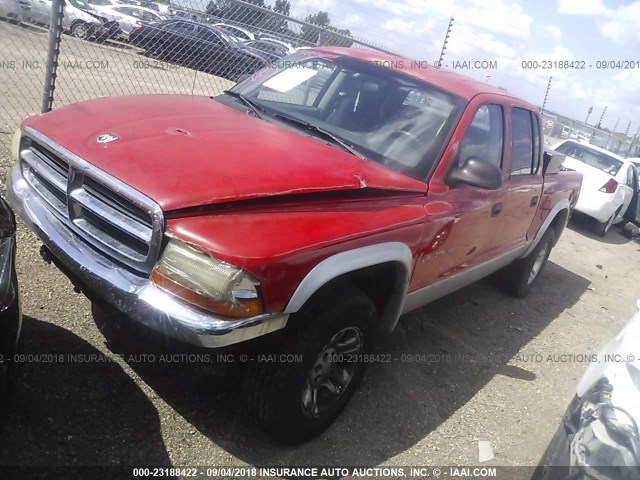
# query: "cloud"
{"type": "Point", "coordinates": [619, 24]}
{"type": "Point", "coordinates": [553, 31]}
{"type": "Point", "coordinates": [583, 7]}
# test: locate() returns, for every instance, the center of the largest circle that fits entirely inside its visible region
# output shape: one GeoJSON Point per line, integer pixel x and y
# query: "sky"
{"type": "Point", "coordinates": [509, 32]}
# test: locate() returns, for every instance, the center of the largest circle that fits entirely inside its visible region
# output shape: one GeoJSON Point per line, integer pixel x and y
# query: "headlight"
{"type": "Point", "coordinates": [205, 282]}
{"type": "Point", "coordinates": [15, 145]}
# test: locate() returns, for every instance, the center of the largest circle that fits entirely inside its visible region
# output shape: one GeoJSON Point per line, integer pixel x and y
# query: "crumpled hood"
{"type": "Point", "coordinates": [185, 151]}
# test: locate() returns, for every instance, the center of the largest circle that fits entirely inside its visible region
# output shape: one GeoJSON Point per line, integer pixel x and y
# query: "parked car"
{"type": "Point", "coordinates": [79, 19]}
{"type": "Point", "coordinates": [240, 33]}
{"type": "Point", "coordinates": [198, 46]}
{"type": "Point", "coordinates": [272, 50]}
{"type": "Point", "coordinates": [609, 184]}
{"type": "Point", "coordinates": [306, 220]}
{"type": "Point", "coordinates": [599, 437]}
{"type": "Point", "coordinates": [290, 48]}
{"type": "Point", "coordinates": [127, 17]}
{"type": "Point", "coordinates": [10, 314]}
{"type": "Point", "coordinates": [15, 10]}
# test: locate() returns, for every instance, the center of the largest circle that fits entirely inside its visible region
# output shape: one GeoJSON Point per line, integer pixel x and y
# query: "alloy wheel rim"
{"type": "Point", "coordinates": [537, 265]}
{"type": "Point", "coordinates": [80, 31]}
{"type": "Point", "coordinates": [332, 372]}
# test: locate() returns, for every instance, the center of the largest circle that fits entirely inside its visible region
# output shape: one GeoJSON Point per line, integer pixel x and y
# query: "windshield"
{"type": "Point", "coordinates": [594, 158]}
{"type": "Point", "coordinates": [80, 4]}
{"type": "Point", "coordinates": [388, 117]}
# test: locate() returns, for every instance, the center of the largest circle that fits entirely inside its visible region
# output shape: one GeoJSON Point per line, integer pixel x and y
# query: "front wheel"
{"type": "Point", "coordinates": [297, 392]}
{"type": "Point", "coordinates": [81, 30]}
{"type": "Point", "coordinates": [521, 275]}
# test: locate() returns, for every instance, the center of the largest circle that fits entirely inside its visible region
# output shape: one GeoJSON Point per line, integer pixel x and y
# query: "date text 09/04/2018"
{"type": "Point", "coordinates": [316, 472]}
{"type": "Point", "coordinates": [580, 65]}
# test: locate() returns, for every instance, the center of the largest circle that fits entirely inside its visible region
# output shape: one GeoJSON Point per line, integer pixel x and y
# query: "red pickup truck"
{"type": "Point", "coordinates": [319, 199]}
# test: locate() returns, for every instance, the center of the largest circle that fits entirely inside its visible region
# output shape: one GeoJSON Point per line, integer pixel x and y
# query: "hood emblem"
{"type": "Point", "coordinates": [107, 138]}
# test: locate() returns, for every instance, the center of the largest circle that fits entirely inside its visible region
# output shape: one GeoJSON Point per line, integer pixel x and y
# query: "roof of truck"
{"type": "Point", "coordinates": [461, 85]}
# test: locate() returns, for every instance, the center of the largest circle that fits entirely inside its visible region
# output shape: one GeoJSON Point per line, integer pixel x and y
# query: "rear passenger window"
{"type": "Point", "coordinates": [484, 139]}
{"type": "Point", "coordinates": [525, 144]}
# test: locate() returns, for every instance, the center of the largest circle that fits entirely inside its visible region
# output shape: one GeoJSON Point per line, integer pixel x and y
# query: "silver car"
{"type": "Point", "coordinates": [15, 10]}
{"type": "Point", "coordinates": [77, 20]}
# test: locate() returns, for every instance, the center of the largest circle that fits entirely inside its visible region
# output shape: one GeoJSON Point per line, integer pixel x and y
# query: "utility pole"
{"type": "Point", "coordinates": [611, 134]}
{"type": "Point", "coordinates": [589, 112]}
{"type": "Point", "coordinates": [601, 117]}
{"type": "Point", "coordinates": [546, 95]}
{"type": "Point", "coordinates": [444, 44]}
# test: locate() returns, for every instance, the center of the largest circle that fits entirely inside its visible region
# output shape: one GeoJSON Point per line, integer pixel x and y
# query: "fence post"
{"type": "Point", "coordinates": [53, 51]}
{"type": "Point", "coordinates": [320, 37]}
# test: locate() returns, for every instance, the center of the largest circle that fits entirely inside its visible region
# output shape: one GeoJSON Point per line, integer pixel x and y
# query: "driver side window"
{"type": "Point", "coordinates": [484, 139]}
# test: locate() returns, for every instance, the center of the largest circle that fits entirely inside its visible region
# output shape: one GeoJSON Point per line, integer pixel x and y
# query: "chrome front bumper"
{"type": "Point", "coordinates": [133, 295]}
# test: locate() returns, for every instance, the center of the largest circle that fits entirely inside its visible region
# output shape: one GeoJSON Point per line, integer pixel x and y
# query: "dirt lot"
{"type": "Point", "coordinates": [494, 387]}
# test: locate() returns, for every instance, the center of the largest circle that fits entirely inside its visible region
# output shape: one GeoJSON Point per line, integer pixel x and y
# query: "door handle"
{"type": "Point", "coordinates": [496, 209]}
{"type": "Point", "coordinates": [534, 201]}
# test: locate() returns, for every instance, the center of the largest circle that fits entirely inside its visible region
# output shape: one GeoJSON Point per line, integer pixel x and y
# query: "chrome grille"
{"type": "Point", "coordinates": [106, 213]}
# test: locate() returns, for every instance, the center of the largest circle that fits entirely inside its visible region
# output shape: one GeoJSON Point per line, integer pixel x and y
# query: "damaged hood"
{"type": "Point", "coordinates": [186, 151]}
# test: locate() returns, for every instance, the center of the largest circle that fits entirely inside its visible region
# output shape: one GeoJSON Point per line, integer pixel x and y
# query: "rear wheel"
{"type": "Point", "coordinates": [295, 398]}
{"type": "Point", "coordinates": [521, 275]}
{"type": "Point", "coordinates": [156, 50]}
{"type": "Point", "coordinates": [602, 228]}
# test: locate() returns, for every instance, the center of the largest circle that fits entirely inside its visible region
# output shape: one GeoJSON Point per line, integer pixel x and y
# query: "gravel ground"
{"type": "Point", "coordinates": [494, 386]}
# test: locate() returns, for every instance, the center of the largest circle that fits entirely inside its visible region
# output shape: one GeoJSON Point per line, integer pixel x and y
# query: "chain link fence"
{"type": "Point", "coordinates": [560, 128]}
{"type": "Point", "coordinates": [200, 47]}
{"type": "Point", "coordinates": [122, 47]}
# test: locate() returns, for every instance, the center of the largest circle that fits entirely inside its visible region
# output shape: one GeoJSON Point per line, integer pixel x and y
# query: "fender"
{"type": "Point", "coordinates": [562, 204]}
{"type": "Point", "coordinates": [353, 260]}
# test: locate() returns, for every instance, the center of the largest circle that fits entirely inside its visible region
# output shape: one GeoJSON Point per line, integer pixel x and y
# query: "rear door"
{"type": "Point", "coordinates": [523, 178]}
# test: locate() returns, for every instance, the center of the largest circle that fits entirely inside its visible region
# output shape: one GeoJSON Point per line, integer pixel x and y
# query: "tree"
{"type": "Point", "coordinates": [311, 35]}
{"type": "Point", "coordinates": [322, 34]}
{"type": "Point", "coordinates": [276, 24]}
{"type": "Point", "coordinates": [241, 14]}
{"type": "Point", "coordinates": [283, 7]}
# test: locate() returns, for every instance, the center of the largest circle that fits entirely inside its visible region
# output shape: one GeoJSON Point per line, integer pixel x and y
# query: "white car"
{"type": "Point", "coordinates": [284, 45]}
{"type": "Point", "coordinates": [127, 16]}
{"type": "Point", "coordinates": [15, 10]}
{"type": "Point", "coordinates": [599, 436]}
{"type": "Point", "coordinates": [609, 184]}
{"type": "Point", "coordinates": [238, 32]}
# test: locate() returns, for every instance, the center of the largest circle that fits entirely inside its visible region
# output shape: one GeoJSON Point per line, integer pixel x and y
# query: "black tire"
{"type": "Point", "coordinates": [275, 390]}
{"type": "Point", "coordinates": [602, 228]}
{"type": "Point", "coordinates": [156, 49]}
{"type": "Point", "coordinates": [81, 30]}
{"type": "Point", "coordinates": [519, 277]}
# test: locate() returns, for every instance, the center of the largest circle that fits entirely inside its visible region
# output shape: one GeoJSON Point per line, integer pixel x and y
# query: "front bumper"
{"type": "Point", "coordinates": [133, 295]}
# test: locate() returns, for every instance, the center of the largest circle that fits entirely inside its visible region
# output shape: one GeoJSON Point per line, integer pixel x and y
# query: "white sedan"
{"type": "Point", "coordinates": [609, 184]}
{"type": "Point", "coordinates": [126, 15]}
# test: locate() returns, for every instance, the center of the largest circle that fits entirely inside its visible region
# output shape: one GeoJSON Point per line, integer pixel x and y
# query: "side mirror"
{"type": "Point", "coordinates": [476, 173]}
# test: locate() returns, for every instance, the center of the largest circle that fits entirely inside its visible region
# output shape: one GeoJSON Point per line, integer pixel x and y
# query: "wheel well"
{"type": "Point", "coordinates": [559, 222]}
{"type": "Point", "coordinates": [384, 283]}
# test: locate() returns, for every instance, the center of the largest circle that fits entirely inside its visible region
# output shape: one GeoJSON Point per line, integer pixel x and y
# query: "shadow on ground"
{"type": "Point", "coordinates": [71, 409]}
{"type": "Point", "coordinates": [584, 225]}
{"type": "Point", "coordinates": [399, 403]}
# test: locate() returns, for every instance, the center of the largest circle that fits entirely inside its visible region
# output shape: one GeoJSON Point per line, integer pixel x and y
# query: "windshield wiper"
{"type": "Point", "coordinates": [257, 110]}
{"type": "Point", "coordinates": [320, 132]}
